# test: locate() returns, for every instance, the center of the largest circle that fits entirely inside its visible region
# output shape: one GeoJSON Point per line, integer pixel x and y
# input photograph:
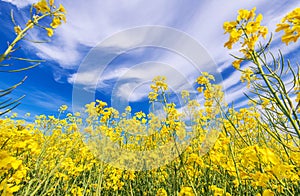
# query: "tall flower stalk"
{"type": "Point", "coordinates": [38, 12]}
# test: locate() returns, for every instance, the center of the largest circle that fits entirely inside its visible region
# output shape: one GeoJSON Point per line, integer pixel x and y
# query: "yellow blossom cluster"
{"type": "Point", "coordinates": [159, 85]}
{"type": "Point", "coordinates": [290, 24]}
{"type": "Point", "coordinates": [247, 76]}
{"type": "Point", "coordinates": [212, 93]}
{"type": "Point", "coordinates": [45, 9]}
{"type": "Point", "coordinates": [246, 28]}
{"type": "Point", "coordinates": [65, 156]}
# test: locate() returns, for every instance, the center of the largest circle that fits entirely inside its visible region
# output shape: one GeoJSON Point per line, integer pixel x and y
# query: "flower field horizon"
{"type": "Point", "coordinates": [199, 145]}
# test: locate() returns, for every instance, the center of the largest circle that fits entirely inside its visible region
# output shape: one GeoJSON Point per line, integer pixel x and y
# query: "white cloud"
{"type": "Point", "coordinates": [93, 21]}
{"type": "Point", "coordinates": [180, 73]}
{"type": "Point", "coordinates": [46, 100]}
{"type": "Point", "coordinates": [91, 78]}
{"type": "Point", "coordinates": [21, 3]}
{"type": "Point", "coordinates": [139, 80]}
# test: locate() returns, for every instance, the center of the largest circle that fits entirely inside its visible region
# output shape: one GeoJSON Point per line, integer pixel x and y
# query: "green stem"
{"type": "Point", "coordinates": [19, 37]}
{"type": "Point", "coordinates": [281, 105]}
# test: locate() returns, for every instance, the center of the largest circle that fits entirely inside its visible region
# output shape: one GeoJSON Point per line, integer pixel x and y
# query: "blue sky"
{"type": "Point", "coordinates": [128, 76]}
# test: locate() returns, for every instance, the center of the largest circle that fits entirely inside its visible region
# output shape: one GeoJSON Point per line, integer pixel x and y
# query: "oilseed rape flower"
{"type": "Point", "coordinates": [247, 76]}
{"type": "Point", "coordinates": [57, 150]}
{"type": "Point", "coordinates": [63, 108]}
{"type": "Point", "coordinates": [17, 30]}
{"type": "Point", "coordinates": [42, 6]}
{"type": "Point", "coordinates": [55, 22]}
{"type": "Point", "coordinates": [48, 9]}
{"type": "Point", "coordinates": [62, 8]}
{"type": "Point", "coordinates": [161, 192]}
{"type": "Point", "coordinates": [49, 32]}
{"type": "Point", "coordinates": [268, 192]}
{"type": "Point", "coordinates": [245, 24]}
{"type": "Point", "coordinates": [186, 191]}
{"type": "Point", "coordinates": [247, 30]}
{"type": "Point", "coordinates": [290, 25]}
{"type": "Point", "coordinates": [153, 96]}
{"type": "Point", "coordinates": [185, 93]}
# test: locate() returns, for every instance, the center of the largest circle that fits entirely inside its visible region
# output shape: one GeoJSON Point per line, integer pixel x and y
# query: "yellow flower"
{"type": "Point", "coordinates": [140, 114]}
{"type": "Point", "coordinates": [42, 6]}
{"type": "Point", "coordinates": [234, 37]}
{"type": "Point", "coordinates": [298, 97]}
{"type": "Point", "coordinates": [55, 22]}
{"type": "Point", "coordinates": [202, 80]}
{"type": "Point", "coordinates": [29, 23]}
{"type": "Point", "coordinates": [152, 96]}
{"type": "Point", "coordinates": [77, 191]}
{"type": "Point", "coordinates": [63, 108]}
{"type": "Point", "coordinates": [217, 191]}
{"type": "Point", "coordinates": [229, 26]}
{"type": "Point", "coordinates": [236, 64]}
{"type": "Point", "coordinates": [263, 32]}
{"type": "Point", "coordinates": [128, 109]}
{"type": "Point", "coordinates": [49, 32]}
{"type": "Point", "coordinates": [268, 192]}
{"type": "Point", "coordinates": [200, 89]}
{"type": "Point", "coordinates": [265, 102]}
{"type": "Point", "coordinates": [101, 103]}
{"type": "Point", "coordinates": [289, 37]}
{"type": "Point", "coordinates": [160, 83]}
{"type": "Point", "coordinates": [17, 29]}
{"type": "Point", "coordinates": [60, 16]}
{"type": "Point", "coordinates": [260, 179]}
{"type": "Point", "coordinates": [8, 188]}
{"type": "Point", "coordinates": [61, 8]}
{"type": "Point", "coordinates": [247, 75]}
{"type": "Point", "coordinates": [90, 109]}
{"type": "Point", "coordinates": [268, 156]}
{"type": "Point", "coordinates": [186, 191]}
{"type": "Point", "coordinates": [161, 192]}
{"type": "Point", "coordinates": [246, 14]}
{"type": "Point", "coordinates": [282, 26]}
{"type": "Point", "coordinates": [282, 171]}
{"type": "Point", "coordinates": [185, 94]}
{"type": "Point", "coordinates": [259, 18]}
{"type": "Point", "coordinates": [290, 25]}
{"type": "Point", "coordinates": [246, 28]}
{"type": "Point", "coordinates": [51, 2]}
{"type": "Point", "coordinates": [144, 120]}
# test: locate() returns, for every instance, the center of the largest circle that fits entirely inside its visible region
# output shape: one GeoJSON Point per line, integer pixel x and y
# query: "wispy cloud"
{"type": "Point", "coordinates": [40, 102]}
{"type": "Point", "coordinates": [21, 3]}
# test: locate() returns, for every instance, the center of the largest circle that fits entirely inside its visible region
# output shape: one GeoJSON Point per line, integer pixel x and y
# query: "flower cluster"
{"type": "Point", "coordinates": [290, 24]}
{"type": "Point", "coordinates": [159, 85]}
{"type": "Point", "coordinates": [65, 156]}
{"type": "Point", "coordinates": [246, 28]}
{"type": "Point", "coordinates": [46, 9]}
